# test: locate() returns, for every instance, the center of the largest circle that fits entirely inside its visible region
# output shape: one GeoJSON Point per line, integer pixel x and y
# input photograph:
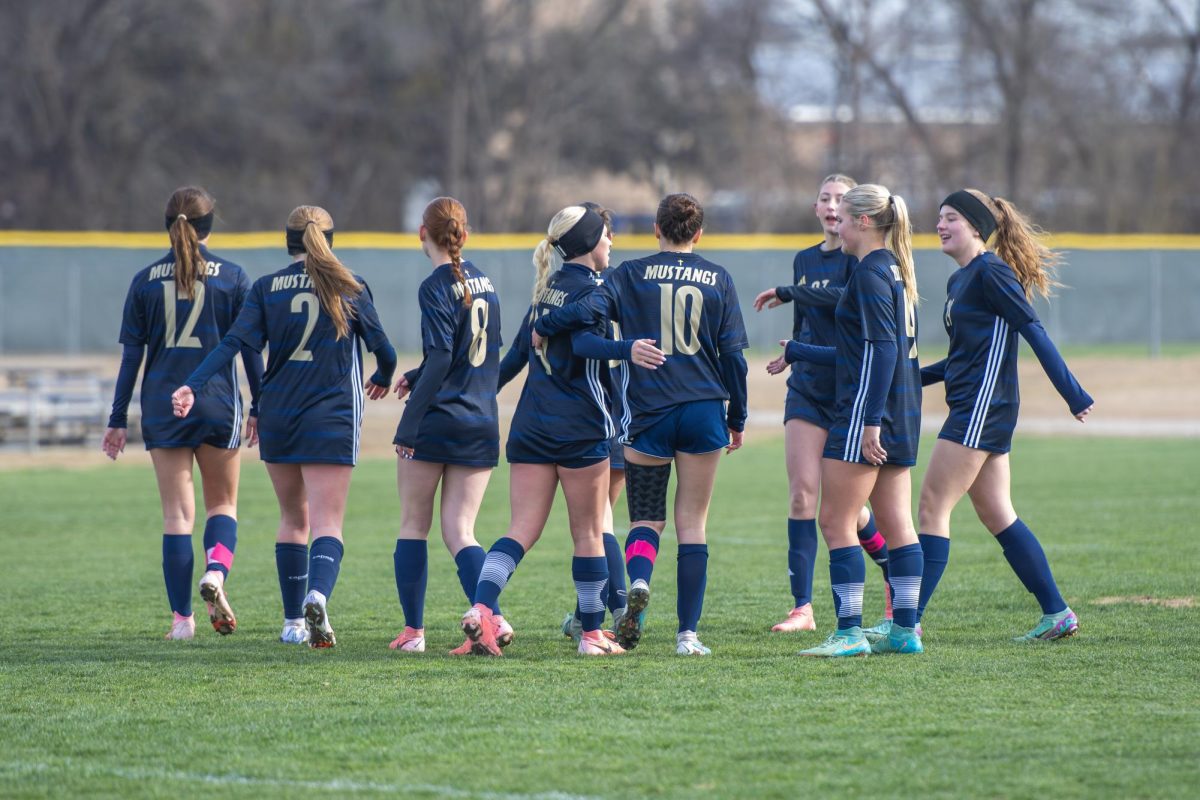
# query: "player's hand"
{"type": "Point", "coordinates": [114, 442]}
{"type": "Point", "coordinates": [735, 440]}
{"type": "Point", "coordinates": [182, 400]}
{"type": "Point", "coordinates": [778, 365]}
{"type": "Point", "coordinates": [374, 390]}
{"type": "Point", "coordinates": [872, 450]}
{"type": "Point", "coordinates": [1082, 414]}
{"type": "Point", "coordinates": [767, 299]}
{"type": "Point", "coordinates": [404, 452]}
{"type": "Point", "coordinates": [251, 431]}
{"type": "Point", "coordinates": [401, 388]}
{"type": "Point", "coordinates": [536, 339]}
{"type": "Point", "coordinates": [645, 354]}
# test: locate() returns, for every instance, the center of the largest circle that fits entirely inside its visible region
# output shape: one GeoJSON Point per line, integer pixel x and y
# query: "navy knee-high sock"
{"type": "Point", "coordinates": [615, 591]}
{"type": "Point", "coordinates": [411, 562]}
{"type": "Point", "coordinates": [469, 561]}
{"type": "Point", "coordinates": [641, 550]}
{"type": "Point", "coordinates": [1027, 559]}
{"type": "Point", "coordinates": [937, 555]}
{"type": "Point", "coordinates": [220, 542]}
{"type": "Point", "coordinates": [501, 562]}
{"type": "Point", "coordinates": [802, 558]}
{"type": "Point", "coordinates": [590, 574]}
{"type": "Point", "coordinates": [291, 563]}
{"type": "Point", "coordinates": [324, 562]}
{"type": "Point", "coordinates": [177, 561]}
{"type": "Point", "coordinates": [692, 578]}
{"type": "Point", "coordinates": [905, 565]}
{"type": "Point", "coordinates": [847, 574]}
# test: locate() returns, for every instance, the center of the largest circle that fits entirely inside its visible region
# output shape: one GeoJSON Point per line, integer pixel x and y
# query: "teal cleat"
{"type": "Point", "coordinates": [900, 640]}
{"type": "Point", "coordinates": [1052, 626]}
{"type": "Point", "coordinates": [877, 632]}
{"type": "Point", "coordinates": [841, 643]}
{"type": "Point", "coordinates": [572, 628]}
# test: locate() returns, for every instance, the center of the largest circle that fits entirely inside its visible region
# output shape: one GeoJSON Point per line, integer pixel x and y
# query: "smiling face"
{"type": "Point", "coordinates": [959, 238]}
{"type": "Point", "coordinates": [826, 205]}
{"type": "Point", "coordinates": [601, 251]}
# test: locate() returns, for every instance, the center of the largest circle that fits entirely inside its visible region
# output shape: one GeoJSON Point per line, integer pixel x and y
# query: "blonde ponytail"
{"type": "Point", "coordinates": [331, 280]}
{"type": "Point", "coordinates": [888, 212]}
{"type": "Point", "coordinates": [545, 255]}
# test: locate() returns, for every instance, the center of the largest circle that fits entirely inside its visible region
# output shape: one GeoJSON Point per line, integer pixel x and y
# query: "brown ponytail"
{"type": "Point", "coordinates": [188, 202]}
{"type": "Point", "coordinates": [1021, 245]}
{"type": "Point", "coordinates": [331, 280]}
{"type": "Point", "coordinates": [445, 222]}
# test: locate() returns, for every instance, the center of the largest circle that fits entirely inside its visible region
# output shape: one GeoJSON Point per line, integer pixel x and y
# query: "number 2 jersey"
{"type": "Point", "coordinates": [689, 307]}
{"type": "Point", "coordinates": [311, 405]}
{"type": "Point", "coordinates": [178, 333]}
{"type": "Point", "coordinates": [874, 311]}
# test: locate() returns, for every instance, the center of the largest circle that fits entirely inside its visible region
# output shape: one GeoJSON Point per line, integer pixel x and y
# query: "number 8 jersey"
{"type": "Point", "coordinates": [689, 307]}
{"type": "Point", "coordinates": [178, 333]}
{"type": "Point", "coordinates": [311, 404]}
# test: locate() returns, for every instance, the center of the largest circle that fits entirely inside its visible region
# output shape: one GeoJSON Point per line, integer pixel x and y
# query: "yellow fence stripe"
{"type": "Point", "coordinates": [527, 241]}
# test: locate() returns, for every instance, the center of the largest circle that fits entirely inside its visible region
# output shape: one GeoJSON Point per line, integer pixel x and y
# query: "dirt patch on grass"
{"type": "Point", "coordinates": [1146, 600]}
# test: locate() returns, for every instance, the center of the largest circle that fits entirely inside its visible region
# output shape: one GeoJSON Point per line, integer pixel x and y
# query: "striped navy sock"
{"type": "Point", "coordinates": [847, 574]}
{"type": "Point", "coordinates": [905, 565]}
{"type": "Point", "coordinates": [590, 574]}
{"type": "Point", "coordinates": [501, 562]}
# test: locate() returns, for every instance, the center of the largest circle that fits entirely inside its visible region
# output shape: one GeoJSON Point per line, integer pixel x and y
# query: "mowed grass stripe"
{"type": "Point", "coordinates": [94, 702]}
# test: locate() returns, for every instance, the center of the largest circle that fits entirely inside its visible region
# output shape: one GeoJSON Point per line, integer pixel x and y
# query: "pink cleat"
{"type": "Point", "coordinates": [480, 628]}
{"type": "Point", "coordinates": [463, 649]}
{"type": "Point", "coordinates": [504, 631]}
{"type": "Point", "coordinates": [799, 618]}
{"type": "Point", "coordinates": [412, 640]}
{"type": "Point", "coordinates": [182, 628]}
{"type": "Point", "coordinates": [595, 643]}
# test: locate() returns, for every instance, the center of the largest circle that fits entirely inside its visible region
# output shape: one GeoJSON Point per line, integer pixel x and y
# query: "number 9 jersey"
{"type": "Point", "coordinates": [311, 403]}
{"type": "Point", "coordinates": [178, 333]}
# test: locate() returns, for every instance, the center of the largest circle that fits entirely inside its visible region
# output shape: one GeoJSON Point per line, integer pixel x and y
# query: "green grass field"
{"type": "Point", "coordinates": [94, 702]}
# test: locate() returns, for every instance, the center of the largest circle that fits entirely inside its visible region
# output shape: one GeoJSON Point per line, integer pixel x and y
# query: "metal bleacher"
{"type": "Point", "coordinates": [41, 406]}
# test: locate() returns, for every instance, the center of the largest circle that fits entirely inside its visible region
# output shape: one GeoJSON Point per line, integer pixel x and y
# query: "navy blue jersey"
{"type": "Point", "coordinates": [178, 333]}
{"type": "Point", "coordinates": [459, 424]}
{"type": "Point", "coordinates": [689, 307]}
{"type": "Point", "coordinates": [311, 405]}
{"type": "Point", "coordinates": [825, 271]}
{"type": "Point", "coordinates": [874, 309]}
{"type": "Point", "coordinates": [618, 385]}
{"type": "Point", "coordinates": [564, 410]}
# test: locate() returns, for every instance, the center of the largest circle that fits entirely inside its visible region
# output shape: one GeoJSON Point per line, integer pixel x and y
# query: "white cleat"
{"type": "Point", "coordinates": [686, 644]}
{"type": "Point", "coordinates": [320, 634]}
{"type": "Point", "coordinates": [295, 631]}
{"type": "Point", "coordinates": [181, 628]}
{"type": "Point", "coordinates": [220, 614]}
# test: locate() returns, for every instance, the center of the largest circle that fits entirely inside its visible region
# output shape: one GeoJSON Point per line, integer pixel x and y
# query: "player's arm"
{"type": "Point", "coordinates": [118, 421]}
{"type": "Point", "coordinates": [518, 353]}
{"type": "Point", "coordinates": [794, 351]}
{"type": "Point", "coordinates": [933, 373]}
{"type": "Point", "coordinates": [583, 313]}
{"type": "Point", "coordinates": [810, 296]}
{"type": "Point", "coordinates": [434, 370]}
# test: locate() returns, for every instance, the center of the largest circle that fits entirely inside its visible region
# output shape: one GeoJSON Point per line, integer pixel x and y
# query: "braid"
{"type": "Point", "coordinates": [454, 243]}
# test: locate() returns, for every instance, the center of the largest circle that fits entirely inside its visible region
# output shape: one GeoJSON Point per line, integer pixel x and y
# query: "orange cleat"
{"type": "Point", "coordinates": [799, 618]}
{"type": "Point", "coordinates": [595, 643]}
{"type": "Point", "coordinates": [480, 628]}
{"type": "Point", "coordinates": [412, 640]}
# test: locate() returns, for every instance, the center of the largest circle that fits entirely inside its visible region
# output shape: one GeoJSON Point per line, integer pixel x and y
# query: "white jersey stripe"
{"type": "Point", "coordinates": [983, 398]}
{"type": "Point", "coordinates": [854, 434]}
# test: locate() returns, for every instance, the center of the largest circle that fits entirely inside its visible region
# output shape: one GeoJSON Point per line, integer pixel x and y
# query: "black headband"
{"type": "Point", "coordinates": [974, 210]}
{"type": "Point", "coordinates": [295, 239]}
{"type": "Point", "coordinates": [582, 238]}
{"type": "Point", "coordinates": [203, 225]}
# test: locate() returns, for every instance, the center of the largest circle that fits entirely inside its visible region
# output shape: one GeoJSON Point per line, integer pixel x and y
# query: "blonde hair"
{"type": "Point", "coordinates": [445, 220]}
{"type": "Point", "coordinates": [888, 211]}
{"type": "Point", "coordinates": [1021, 245]}
{"type": "Point", "coordinates": [838, 177]}
{"type": "Point", "coordinates": [184, 203]}
{"type": "Point", "coordinates": [545, 256]}
{"type": "Point", "coordinates": [331, 279]}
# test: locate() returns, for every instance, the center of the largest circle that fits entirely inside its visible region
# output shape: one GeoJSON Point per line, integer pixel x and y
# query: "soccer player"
{"type": "Point", "coordinates": [677, 412]}
{"type": "Point", "coordinates": [819, 275]}
{"type": "Point", "coordinates": [872, 443]}
{"type": "Point", "coordinates": [314, 313]}
{"type": "Point", "coordinates": [449, 432]}
{"type": "Point", "coordinates": [560, 434]}
{"type": "Point", "coordinates": [987, 305]}
{"type": "Point", "coordinates": [177, 310]}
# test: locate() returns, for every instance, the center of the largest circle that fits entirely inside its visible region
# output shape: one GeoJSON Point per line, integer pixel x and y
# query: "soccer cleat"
{"type": "Point", "coordinates": [320, 634]}
{"type": "Point", "coordinates": [841, 643]}
{"type": "Point", "coordinates": [878, 631]}
{"type": "Point", "coordinates": [411, 640]}
{"type": "Point", "coordinates": [899, 640]}
{"type": "Point", "coordinates": [632, 624]}
{"type": "Point", "coordinates": [595, 643]}
{"type": "Point", "coordinates": [1053, 626]}
{"type": "Point", "coordinates": [572, 628]}
{"type": "Point", "coordinates": [181, 628]}
{"type": "Point", "coordinates": [463, 649]}
{"type": "Point", "coordinates": [799, 618]}
{"type": "Point", "coordinates": [504, 631]}
{"type": "Point", "coordinates": [477, 624]}
{"type": "Point", "coordinates": [686, 644]}
{"type": "Point", "coordinates": [295, 631]}
{"type": "Point", "coordinates": [212, 589]}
